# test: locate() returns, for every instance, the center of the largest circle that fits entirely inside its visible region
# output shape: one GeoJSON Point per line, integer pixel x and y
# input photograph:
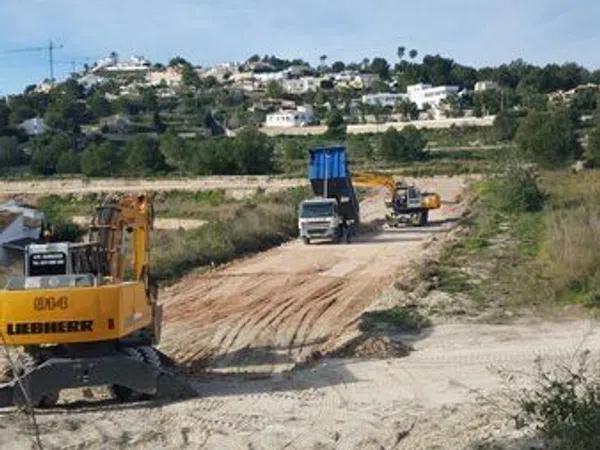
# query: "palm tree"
{"type": "Point", "coordinates": [323, 58]}
{"type": "Point", "coordinates": [400, 52]}
{"type": "Point", "coordinates": [413, 54]}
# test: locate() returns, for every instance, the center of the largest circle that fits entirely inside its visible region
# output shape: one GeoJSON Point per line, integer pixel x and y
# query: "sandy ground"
{"type": "Point", "coordinates": [262, 314]}
{"type": "Point", "coordinates": [236, 185]}
{"type": "Point", "coordinates": [273, 310]}
{"type": "Point", "coordinates": [444, 395]}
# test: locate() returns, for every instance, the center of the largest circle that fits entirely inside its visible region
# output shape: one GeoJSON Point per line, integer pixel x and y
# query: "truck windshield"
{"type": "Point", "coordinates": [316, 210]}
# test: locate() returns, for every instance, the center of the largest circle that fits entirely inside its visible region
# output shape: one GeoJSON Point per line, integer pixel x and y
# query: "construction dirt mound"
{"type": "Point", "coordinates": [373, 347]}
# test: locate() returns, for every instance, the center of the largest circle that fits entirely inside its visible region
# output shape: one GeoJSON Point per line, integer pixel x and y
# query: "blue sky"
{"type": "Point", "coordinates": [474, 32]}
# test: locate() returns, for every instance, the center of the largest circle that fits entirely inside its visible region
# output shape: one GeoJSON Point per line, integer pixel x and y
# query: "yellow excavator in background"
{"type": "Point", "coordinates": [407, 203]}
{"type": "Point", "coordinates": [86, 314]}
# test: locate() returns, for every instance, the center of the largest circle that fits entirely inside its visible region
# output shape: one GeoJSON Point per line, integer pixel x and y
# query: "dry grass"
{"type": "Point", "coordinates": [252, 226]}
{"type": "Point", "coordinates": [571, 239]}
{"type": "Point", "coordinates": [531, 259]}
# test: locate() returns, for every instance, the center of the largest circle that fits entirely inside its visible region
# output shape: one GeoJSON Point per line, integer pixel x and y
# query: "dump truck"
{"type": "Point", "coordinates": [86, 314]}
{"type": "Point", "coordinates": [333, 213]}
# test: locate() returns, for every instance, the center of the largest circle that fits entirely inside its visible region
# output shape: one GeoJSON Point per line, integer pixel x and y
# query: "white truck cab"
{"type": "Point", "coordinates": [319, 218]}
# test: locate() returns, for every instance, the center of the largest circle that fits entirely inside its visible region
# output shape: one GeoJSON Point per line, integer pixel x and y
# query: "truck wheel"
{"type": "Point", "coordinates": [306, 241]}
{"type": "Point", "coordinates": [423, 218]}
{"type": "Point", "coordinates": [346, 235]}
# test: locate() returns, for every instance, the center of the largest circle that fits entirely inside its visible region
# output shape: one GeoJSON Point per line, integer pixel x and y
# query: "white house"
{"type": "Point", "coordinates": [220, 72]}
{"type": "Point", "coordinates": [44, 87]}
{"type": "Point", "coordinates": [301, 116]}
{"type": "Point", "coordinates": [114, 64]}
{"type": "Point", "coordinates": [33, 127]}
{"type": "Point", "coordinates": [422, 94]}
{"type": "Point", "coordinates": [383, 99]}
{"type": "Point", "coordinates": [266, 77]}
{"type": "Point", "coordinates": [19, 226]}
{"type": "Point", "coordinates": [355, 80]}
{"type": "Point", "coordinates": [301, 85]}
{"type": "Point", "coordinates": [486, 86]}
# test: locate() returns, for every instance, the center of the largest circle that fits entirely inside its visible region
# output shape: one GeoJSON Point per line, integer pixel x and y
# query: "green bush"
{"type": "Point", "coordinates": [592, 152]}
{"type": "Point", "coordinates": [100, 160]}
{"type": "Point", "coordinates": [143, 156]}
{"type": "Point", "coordinates": [505, 126]}
{"type": "Point", "coordinates": [406, 145]}
{"type": "Point", "coordinates": [65, 231]}
{"type": "Point", "coordinates": [547, 138]}
{"type": "Point", "coordinates": [405, 319]}
{"type": "Point", "coordinates": [336, 127]}
{"type": "Point", "coordinates": [564, 408]}
{"type": "Point", "coordinates": [517, 190]}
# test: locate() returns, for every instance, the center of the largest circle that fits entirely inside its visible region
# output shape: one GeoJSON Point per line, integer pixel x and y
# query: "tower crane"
{"type": "Point", "coordinates": [50, 48]}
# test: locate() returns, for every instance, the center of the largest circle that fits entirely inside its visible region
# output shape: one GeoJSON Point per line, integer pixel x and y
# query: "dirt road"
{"type": "Point", "coordinates": [446, 394]}
{"type": "Point", "coordinates": [273, 310]}
{"type": "Point", "coordinates": [235, 185]}
{"type": "Point", "coordinates": [264, 313]}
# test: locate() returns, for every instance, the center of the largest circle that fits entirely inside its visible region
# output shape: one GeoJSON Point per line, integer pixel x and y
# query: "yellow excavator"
{"type": "Point", "coordinates": [86, 314]}
{"type": "Point", "coordinates": [407, 203]}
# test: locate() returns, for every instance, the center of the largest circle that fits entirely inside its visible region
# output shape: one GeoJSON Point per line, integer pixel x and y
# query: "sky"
{"type": "Point", "coordinates": [472, 32]}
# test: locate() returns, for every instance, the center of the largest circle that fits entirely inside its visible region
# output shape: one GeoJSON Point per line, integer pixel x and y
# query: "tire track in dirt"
{"type": "Point", "coordinates": [296, 299]}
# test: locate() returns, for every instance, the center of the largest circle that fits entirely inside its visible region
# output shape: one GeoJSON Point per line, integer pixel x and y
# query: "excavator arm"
{"type": "Point", "coordinates": [117, 215]}
{"type": "Point", "coordinates": [373, 179]}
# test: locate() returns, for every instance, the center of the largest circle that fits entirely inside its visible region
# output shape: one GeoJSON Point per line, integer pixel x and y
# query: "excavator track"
{"type": "Point", "coordinates": [134, 373]}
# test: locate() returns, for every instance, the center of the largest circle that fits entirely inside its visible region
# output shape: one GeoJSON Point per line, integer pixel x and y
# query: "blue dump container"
{"type": "Point", "coordinates": [328, 168]}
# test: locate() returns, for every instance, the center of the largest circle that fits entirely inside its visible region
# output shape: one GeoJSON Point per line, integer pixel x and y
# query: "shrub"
{"type": "Point", "coordinates": [47, 150]}
{"type": "Point", "coordinates": [517, 189]}
{"type": "Point", "coordinates": [100, 160]}
{"type": "Point", "coordinates": [564, 407]}
{"type": "Point", "coordinates": [65, 231]}
{"type": "Point", "coordinates": [10, 154]}
{"type": "Point", "coordinates": [547, 138]}
{"type": "Point", "coordinates": [336, 127]}
{"type": "Point", "coordinates": [505, 126]}
{"type": "Point", "coordinates": [402, 318]}
{"type": "Point", "coordinates": [143, 156]}
{"type": "Point", "coordinates": [592, 152]}
{"type": "Point", "coordinates": [406, 145]}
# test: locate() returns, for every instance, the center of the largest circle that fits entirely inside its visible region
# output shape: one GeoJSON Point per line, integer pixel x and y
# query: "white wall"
{"type": "Point", "coordinates": [422, 94]}
{"type": "Point", "coordinates": [383, 99]}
